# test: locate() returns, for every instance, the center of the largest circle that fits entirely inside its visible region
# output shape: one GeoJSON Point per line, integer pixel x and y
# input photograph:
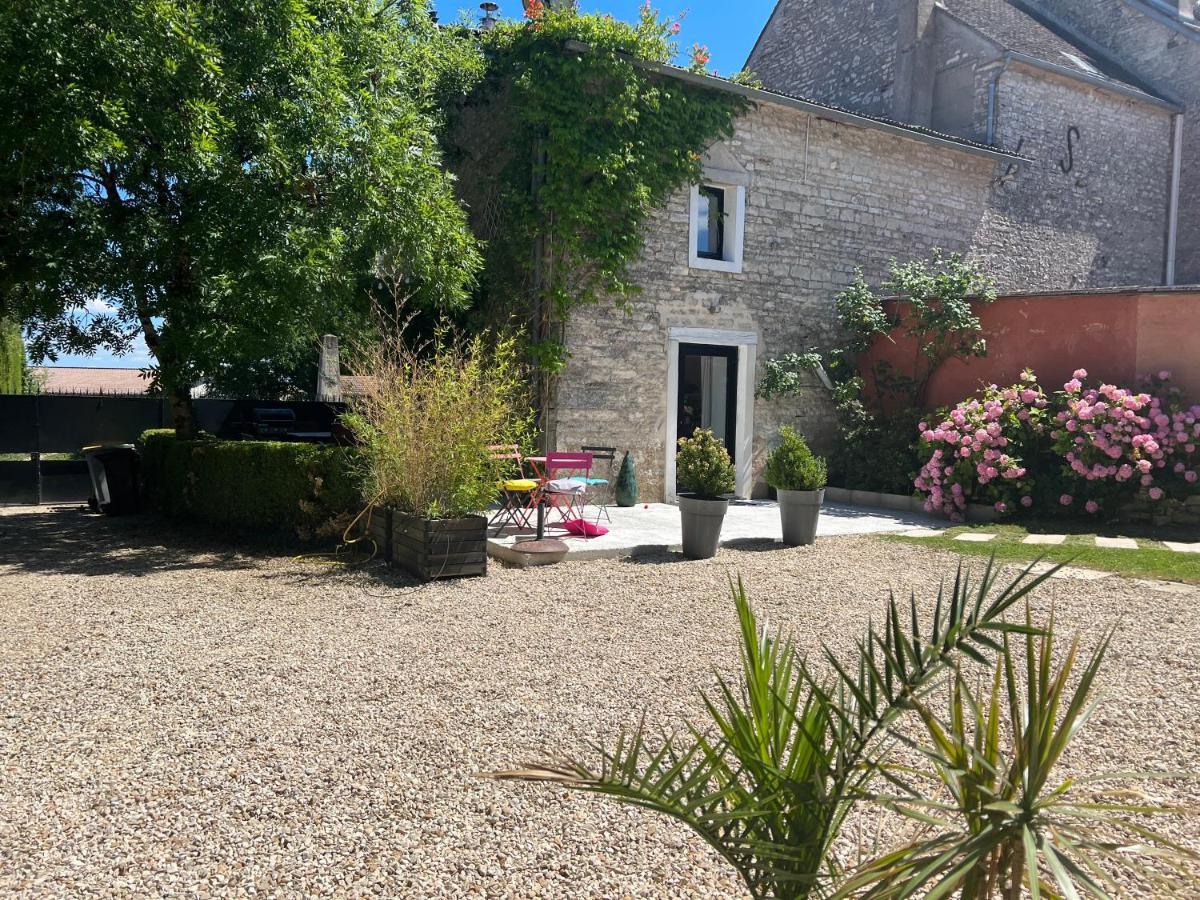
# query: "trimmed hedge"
{"type": "Point", "coordinates": [266, 486]}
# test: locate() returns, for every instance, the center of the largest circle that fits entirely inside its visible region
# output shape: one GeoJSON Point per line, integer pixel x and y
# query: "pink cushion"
{"type": "Point", "coordinates": [584, 528]}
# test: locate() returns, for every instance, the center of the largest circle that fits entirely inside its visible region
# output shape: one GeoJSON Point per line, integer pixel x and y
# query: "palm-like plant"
{"type": "Point", "coordinates": [1006, 827]}
{"type": "Point", "coordinates": [770, 783]}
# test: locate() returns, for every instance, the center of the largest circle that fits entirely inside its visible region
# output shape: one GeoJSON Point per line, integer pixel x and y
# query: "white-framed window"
{"type": "Point", "coordinates": [717, 226]}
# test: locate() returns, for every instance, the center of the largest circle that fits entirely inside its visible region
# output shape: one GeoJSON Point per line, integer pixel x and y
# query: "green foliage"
{"type": "Point", "coordinates": [262, 486]}
{"type": "Point", "coordinates": [703, 466]}
{"type": "Point", "coordinates": [426, 419]}
{"type": "Point", "coordinates": [769, 780]}
{"type": "Point", "coordinates": [228, 180]}
{"type": "Point", "coordinates": [791, 466]}
{"type": "Point", "coordinates": [12, 358]}
{"type": "Point", "coordinates": [931, 301]}
{"type": "Point", "coordinates": [593, 146]}
{"type": "Point", "coordinates": [1009, 826]}
{"type": "Point", "coordinates": [785, 376]}
{"type": "Point", "coordinates": [875, 451]}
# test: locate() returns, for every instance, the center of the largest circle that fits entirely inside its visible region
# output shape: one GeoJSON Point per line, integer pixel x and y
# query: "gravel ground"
{"type": "Point", "coordinates": [180, 719]}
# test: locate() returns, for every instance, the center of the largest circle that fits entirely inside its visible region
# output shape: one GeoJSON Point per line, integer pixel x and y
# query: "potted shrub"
{"type": "Point", "coordinates": [705, 477]}
{"type": "Point", "coordinates": [799, 481]}
{"type": "Point", "coordinates": [424, 421]}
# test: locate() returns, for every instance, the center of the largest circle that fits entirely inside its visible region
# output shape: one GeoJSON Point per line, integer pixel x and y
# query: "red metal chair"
{"type": "Point", "coordinates": [566, 485]}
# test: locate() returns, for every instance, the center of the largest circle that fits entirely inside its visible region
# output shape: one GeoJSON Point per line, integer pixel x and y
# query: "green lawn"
{"type": "Point", "coordinates": [1151, 560]}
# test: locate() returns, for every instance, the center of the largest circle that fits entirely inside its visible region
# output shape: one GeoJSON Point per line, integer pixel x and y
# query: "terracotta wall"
{"type": "Point", "coordinates": [1118, 336]}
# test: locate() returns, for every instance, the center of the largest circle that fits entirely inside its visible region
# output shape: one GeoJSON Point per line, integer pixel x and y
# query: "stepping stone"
{"type": "Point", "coordinates": [1181, 548]}
{"type": "Point", "coordinates": [975, 537]}
{"type": "Point", "coordinates": [1044, 539]}
{"type": "Point", "coordinates": [1070, 573]}
{"type": "Point", "coordinates": [1117, 543]}
{"type": "Point", "coordinates": [921, 533]}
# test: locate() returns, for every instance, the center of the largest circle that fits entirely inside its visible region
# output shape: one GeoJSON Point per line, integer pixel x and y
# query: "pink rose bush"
{"type": "Point", "coordinates": [978, 453]}
{"type": "Point", "coordinates": [1084, 448]}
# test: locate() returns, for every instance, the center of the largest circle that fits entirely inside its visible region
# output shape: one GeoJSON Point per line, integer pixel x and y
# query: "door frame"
{"type": "Point", "coordinates": [746, 343]}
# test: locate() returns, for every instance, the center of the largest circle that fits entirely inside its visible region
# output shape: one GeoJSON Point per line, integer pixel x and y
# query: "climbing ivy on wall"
{"type": "Point", "coordinates": [594, 144]}
{"type": "Point", "coordinates": [12, 358]}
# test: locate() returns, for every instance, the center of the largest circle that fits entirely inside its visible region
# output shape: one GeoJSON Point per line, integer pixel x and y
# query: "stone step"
{"type": "Point", "coordinates": [1182, 548]}
{"type": "Point", "coordinates": [975, 537]}
{"type": "Point", "coordinates": [1117, 543]}
{"type": "Point", "coordinates": [1044, 539]}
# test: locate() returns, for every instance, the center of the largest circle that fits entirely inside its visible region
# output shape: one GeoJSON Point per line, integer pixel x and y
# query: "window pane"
{"type": "Point", "coordinates": [710, 225]}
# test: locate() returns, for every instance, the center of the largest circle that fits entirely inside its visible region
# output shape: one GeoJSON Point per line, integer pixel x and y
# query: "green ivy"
{"type": "Point", "coordinates": [595, 143]}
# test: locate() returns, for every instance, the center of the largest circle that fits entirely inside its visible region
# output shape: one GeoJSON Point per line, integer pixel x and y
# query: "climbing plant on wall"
{"type": "Point", "coordinates": [593, 144]}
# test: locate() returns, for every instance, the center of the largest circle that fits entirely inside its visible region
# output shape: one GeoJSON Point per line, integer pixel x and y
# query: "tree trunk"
{"type": "Point", "coordinates": [182, 414]}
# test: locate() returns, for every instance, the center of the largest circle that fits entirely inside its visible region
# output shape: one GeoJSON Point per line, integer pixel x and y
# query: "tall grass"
{"type": "Point", "coordinates": [427, 414]}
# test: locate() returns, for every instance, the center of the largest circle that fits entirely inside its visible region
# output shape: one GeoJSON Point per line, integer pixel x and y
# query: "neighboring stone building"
{"type": "Point", "coordinates": [1093, 91]}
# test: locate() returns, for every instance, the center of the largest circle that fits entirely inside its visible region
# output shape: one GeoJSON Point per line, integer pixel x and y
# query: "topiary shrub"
{"type": "Point", "coordinates": [308, 490]}
{"type": "Point", "coordinates": [792, 466]}
{"type": "Point", "coordinates": [703, 466]}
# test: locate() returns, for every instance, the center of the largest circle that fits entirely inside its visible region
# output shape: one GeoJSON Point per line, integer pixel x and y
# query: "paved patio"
{"type": "Point", "coordinates": [654, 528]}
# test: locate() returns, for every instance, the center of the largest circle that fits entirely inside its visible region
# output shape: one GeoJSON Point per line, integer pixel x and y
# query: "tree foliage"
{"type": "Point", "coordinates": [225, 179]}
{"type": "Point", "coordinates": [12, 358]}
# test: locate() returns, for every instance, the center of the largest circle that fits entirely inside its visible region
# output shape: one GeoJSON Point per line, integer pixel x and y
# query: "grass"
{"type": "Point", "coordinates": [24, 457]}
{"type": "Point", "coordinates": [1151, 560]}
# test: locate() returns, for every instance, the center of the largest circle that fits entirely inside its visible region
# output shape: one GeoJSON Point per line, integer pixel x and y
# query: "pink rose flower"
{"type": "Point", "coordinates": [1156, 493]}
{"type": "Point", "coordinates": [1092, 506]}
{"type": "Point", "coordinates": [1027, 501]}
{"type": "Point", "coordinates": [1080, 373]}
{"type": "Point", "coordinates": [1066, 499]}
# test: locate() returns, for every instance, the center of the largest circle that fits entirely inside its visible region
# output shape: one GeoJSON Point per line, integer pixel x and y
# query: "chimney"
{"type": "Point", "coordinates": [488, 21]}
{"type": "Point", "coordinates": [1187, 10]}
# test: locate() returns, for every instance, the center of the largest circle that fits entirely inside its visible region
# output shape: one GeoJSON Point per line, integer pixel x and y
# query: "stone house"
{"type": "Point", "coordinates": [1025, 135]}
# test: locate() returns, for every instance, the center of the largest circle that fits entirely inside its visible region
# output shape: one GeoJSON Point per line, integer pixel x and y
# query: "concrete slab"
{"type": "Point", "coordinates": [1117, 543]}
{"type": "Point", "coordinates": [1071, 573]}
{"type": "Point", "coordinates": [921, 533]}
{"type": "Point", "coordinates": [974, 537]}
{"type": "Point", "coordinates": [1051, 539]}
{"type": "Point", "coordinates": [1181, 548]}
{"type": "Point", "coordinates": [654, 527]}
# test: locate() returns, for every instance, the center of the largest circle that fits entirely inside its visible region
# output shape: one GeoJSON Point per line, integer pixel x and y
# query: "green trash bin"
{"type": "Point", "coordinates": [115, 470]}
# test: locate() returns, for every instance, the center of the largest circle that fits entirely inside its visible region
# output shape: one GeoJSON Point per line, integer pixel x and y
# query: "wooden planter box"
{"type": "Point", "coordinates": [431, 548]}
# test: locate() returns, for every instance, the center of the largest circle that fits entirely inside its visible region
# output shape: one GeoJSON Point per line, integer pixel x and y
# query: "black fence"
{"type": "Point", "coordinates": [32, 426]}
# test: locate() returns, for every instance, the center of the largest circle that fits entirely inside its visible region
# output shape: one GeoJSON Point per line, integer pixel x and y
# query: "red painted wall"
{"type": "Point", "coordinates": [1118, 337]}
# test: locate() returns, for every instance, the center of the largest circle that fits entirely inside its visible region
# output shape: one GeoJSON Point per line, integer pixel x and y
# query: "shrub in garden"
{"type": "Point", "coordinates": [308, 490]}
{"type": "Point", "coordinates": [1115, 442]}
{"type": "Point", "coordinates": [792, 466]}
{"type": "Point", "coordinates": [983, 450]}
{"type": "Point", "coordinates": [1081, 450]}
{"type": "Point", "coordinates": [425, 420]}
{"type": "Point", "coordinates": [703, 466]}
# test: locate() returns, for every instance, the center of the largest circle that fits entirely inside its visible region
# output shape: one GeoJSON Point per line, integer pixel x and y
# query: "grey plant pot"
{"type": "Point", "coordinates": [800, 511]}
{"type": "Point", "coordinates": [702, 520]}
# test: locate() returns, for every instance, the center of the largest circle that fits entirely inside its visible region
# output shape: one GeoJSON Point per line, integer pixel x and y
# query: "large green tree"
{"type": "Point", "coordinates": [227, 180]}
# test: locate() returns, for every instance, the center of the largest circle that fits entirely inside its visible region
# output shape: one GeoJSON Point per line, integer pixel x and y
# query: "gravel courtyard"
{"type": "Point", "coordinates": [177, 719]}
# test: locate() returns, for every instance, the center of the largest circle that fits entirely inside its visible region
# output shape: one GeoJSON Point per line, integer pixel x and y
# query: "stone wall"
{"type": "Point", "coordinates": [1101, 224]}
{"type": "Point", "coordinates": [1167, 57]}
{"type": "Point", "coordinates": [857, 198]}
{"type": "Point", "coordinates": [856, 68]}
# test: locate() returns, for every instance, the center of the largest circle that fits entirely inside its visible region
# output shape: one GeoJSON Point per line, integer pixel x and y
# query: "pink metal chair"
{"type": "Point", "coordinates": [566, 485]}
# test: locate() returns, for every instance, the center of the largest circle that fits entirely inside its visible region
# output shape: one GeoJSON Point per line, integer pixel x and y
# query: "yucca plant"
{"type": "Point", "coordinates": [770, 781]}
{"type": "Point", "coordinates": [1008, 826]}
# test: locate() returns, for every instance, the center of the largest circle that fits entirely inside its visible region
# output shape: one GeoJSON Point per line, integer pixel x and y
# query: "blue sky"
{"type": "Point", "coordinates": [728, 29]}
